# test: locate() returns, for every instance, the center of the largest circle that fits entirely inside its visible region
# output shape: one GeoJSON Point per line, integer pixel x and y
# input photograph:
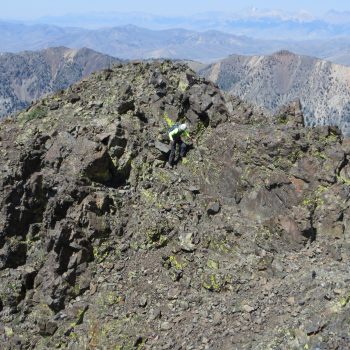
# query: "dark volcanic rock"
{"type": "Point", "coordinates": [213, 208]}
{"type": "Point", "coordinates": [164, 148]}
{"type": "Point", "coordinates": [102, 246]}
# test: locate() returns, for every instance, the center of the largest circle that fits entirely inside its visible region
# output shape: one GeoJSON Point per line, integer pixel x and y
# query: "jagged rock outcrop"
{"type": "Point", "coordinates": [244, 245]}
{"type": "Point", "coordinates": [27, 76]}
{"type": "Point", "coordinates": [275, 80]}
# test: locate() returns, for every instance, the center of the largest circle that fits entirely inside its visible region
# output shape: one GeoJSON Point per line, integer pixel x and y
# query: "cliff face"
{"type": "Point", "coordinates": [274, 81]}
{"type": "Point", "coordinates": [27, 76]}
{"type": "Point", "coordinates": [243, 245]}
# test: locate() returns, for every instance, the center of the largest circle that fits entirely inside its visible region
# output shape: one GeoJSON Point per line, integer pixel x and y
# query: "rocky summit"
{"type": "Point", "coordinates": [244, 244]}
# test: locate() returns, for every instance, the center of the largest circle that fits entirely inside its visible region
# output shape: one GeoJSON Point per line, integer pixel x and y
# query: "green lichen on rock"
{"type": "Point", "coordinates": [156, 237]}
{"type": "Point", "coordinates": [345, 300]}
{"type": "Point", "coordinates": [212, 264]}
{"type": "Point", "coordinates": [215, 282]}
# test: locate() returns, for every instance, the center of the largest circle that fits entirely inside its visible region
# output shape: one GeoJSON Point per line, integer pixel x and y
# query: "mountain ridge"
{"type": "Point", "coordinates": [243, 245]}
{"type": "Point", "coordinates": [275, 80]}
{"type": "Point", "coordinates": [29, 75]}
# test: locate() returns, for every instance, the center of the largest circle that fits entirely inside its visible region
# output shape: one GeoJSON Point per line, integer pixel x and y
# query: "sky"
{"type": "Point", "coordinates": [32, 9]}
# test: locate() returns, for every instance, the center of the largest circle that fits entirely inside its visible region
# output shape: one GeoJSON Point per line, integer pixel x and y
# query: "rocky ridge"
{"type": "Point", "coordinates": [244, 245]}
{"type": "Point", "coordinates": [275, 80]}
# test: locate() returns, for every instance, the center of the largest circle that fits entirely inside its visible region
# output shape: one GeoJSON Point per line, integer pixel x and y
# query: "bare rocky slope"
{"type": "Point", "coordinates": [243, 245]}
{"type": "Point", "coordinates": [273, 81]}
{"type": "Point", "coordinates": [27, 76]}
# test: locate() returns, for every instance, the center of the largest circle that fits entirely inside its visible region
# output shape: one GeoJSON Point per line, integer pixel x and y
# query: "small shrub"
{"type": "Point", "coordinates": [35, 113]}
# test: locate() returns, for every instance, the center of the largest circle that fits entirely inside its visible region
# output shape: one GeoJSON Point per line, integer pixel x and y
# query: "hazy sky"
{"type": "Point", "coordinates": [30, 9]}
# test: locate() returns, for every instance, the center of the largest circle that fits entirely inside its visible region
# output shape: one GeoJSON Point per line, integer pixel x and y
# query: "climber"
{"type": "Point", "coordinates": [175, 133]}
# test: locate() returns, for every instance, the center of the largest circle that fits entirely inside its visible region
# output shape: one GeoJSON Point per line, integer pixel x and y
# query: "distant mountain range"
{"type": "Point", "coordinates": [253, 22]}
{"type": "Point", "coordinates": [132, 42]}
{"type": "Point", "coordinates": [275, 80]}
{"type": "Point", "coordinates": [28, 76]}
